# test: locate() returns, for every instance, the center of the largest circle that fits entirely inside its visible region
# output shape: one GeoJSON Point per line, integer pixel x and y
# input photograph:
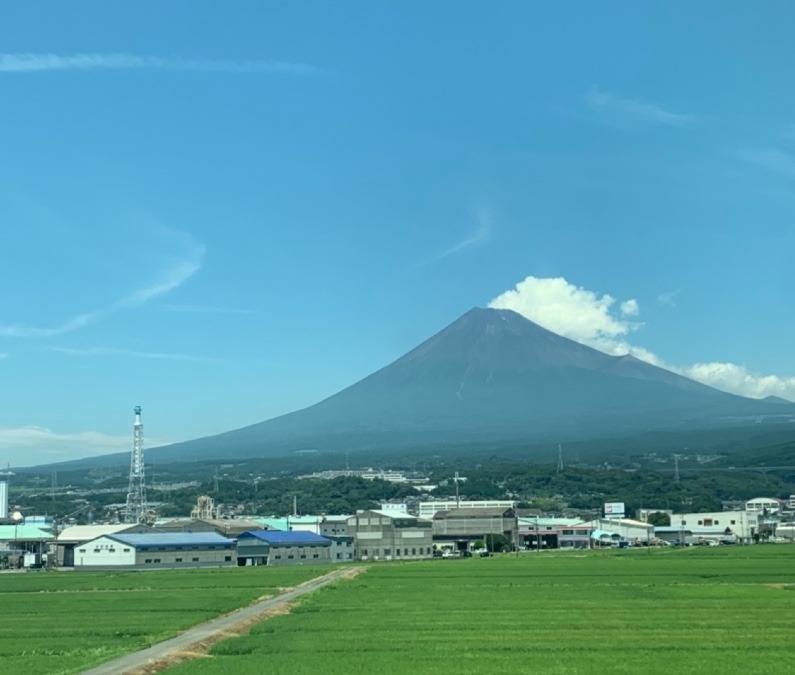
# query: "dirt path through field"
{"type": "Point", "coordinates": [195, 641]}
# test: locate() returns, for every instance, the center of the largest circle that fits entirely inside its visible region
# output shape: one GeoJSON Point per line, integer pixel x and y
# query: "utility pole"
{"type": "Point", "coordinates": [676, 468]}
{"type": "Point", "coordinates": [135, 511]}
{"type": "Point", "coordinates": [457, 496]}
{"type": "Point", "coordinates": [560, 458]}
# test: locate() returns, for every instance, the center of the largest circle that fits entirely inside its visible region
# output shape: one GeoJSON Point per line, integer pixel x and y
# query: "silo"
{"type": "Point", "coordinates": [3, 500]}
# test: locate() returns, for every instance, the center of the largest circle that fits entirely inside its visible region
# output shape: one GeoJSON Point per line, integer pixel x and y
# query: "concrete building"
{"type": "Point", "coordinates": [272, 547]}
{"type": "Point", "coordinates": [764, 505]}
{"type": "Point", "coordinates": [735, 526]}
{"type": "Point", "coordinates": [336, 530]}
{"type": "Point", "coordinates": [429, 509]}
{"type": "Point", "coordinates": [380, 535]}
{"type": "Point", "coordinates": [542, 533]}
{"type": "Point", "coordinates": [459, 529]}
{"type": "Point", "coordinates": [575, 536]}
{"type": "Point", "coordinates": [156, 550]}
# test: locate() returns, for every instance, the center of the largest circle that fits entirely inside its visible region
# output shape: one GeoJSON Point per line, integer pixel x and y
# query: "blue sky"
{"type": "Point", "coordinates": [227, 211]}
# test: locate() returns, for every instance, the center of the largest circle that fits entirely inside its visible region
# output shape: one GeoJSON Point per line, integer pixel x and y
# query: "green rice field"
{"type": "Point", "coordinates": [65, 622]}
{"type": "Point", "coordinates": [700, 610]}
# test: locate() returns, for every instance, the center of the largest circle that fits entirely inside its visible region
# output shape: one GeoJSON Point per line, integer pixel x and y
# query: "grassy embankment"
{"type": "Point", "coordinates": [637, 611]}
{"type": "Point", "coordinates": [59, 622]}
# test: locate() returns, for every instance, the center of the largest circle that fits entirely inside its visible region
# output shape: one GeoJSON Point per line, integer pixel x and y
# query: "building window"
{"type": "Point", "coordinates": [194, 560]}
{"type": "Point", "coordinates": [733, 522]}
{"type": "Point", "coordinates": [178, 560]}
{"type": "Point", "coordinates": [227, 558]}
{"type": "Point", "coordinates": [157, 560]}
{"type": "Point", "coordinates": [315, 555]}
{"type": "Point", "coordinates": [126, 550]}
{"type": "Point", "coordinates": [387, 551]}
{"type": "Point", "coordinates": [82, 550]}
{"type": "Point", "coordinates": [148, 560]}
{"type": "Point", "coordinates": [414, 551]}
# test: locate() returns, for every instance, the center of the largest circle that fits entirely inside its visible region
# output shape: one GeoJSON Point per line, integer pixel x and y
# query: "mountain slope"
{"type": "Point", "coordinates": [490, 376]}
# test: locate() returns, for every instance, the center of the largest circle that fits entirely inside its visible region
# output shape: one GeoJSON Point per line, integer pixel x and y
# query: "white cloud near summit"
{"type": "Point", "coordinates": [591, 319]}
{"type": "Point", "coordinates": [569, 310]}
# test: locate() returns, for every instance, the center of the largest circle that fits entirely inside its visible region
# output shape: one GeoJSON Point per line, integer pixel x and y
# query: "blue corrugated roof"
{"type": "Point", "coordinates": [290, 537]}
{"type": "Point", "coordinates": [172, 539]}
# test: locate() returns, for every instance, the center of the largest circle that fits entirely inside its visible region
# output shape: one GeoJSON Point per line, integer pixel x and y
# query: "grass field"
{"type": "Point", "coordinates": [59, 622]}
{"type": "Point", "coordinates": [711, 610]}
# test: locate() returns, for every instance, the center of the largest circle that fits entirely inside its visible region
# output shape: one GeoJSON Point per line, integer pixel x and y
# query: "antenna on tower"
{"type": "Point", "coordinates": [560, 458]}
{"type": "Point", "coordinates": [135, 512]}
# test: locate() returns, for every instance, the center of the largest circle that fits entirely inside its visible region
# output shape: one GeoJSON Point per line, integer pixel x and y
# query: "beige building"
{"type": "Point", "coordinates": [380, 535]}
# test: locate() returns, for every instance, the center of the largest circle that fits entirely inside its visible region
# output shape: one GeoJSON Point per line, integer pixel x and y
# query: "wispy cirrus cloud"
{"type": "Point", "coordinates": [31, 62]}
{"type": "Point", "coordinates": [479, 236]}
{"type": "Point", "coordinates": [772, 159]}
{"type": "Point", "coordinates": [176, 270]}
{"type": "Point", "coordinates": [206, 309]}
{"type": "Point", "coordinates": [132, 353]}
{"type": "Point", "coordinates": [624, 111]}
{"type": "Point", "coordinates": [590, 318]}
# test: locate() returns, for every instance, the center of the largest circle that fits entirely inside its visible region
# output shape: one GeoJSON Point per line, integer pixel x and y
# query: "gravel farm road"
{"type": "Point", "coordinates": [195, 640]}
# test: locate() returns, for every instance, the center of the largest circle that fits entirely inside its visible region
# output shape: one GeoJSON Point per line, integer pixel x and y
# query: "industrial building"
{"type": "Point", "coordinates": [430, 509]}
{"type": "Point", "coordinates": [23, 545]}
{"type": "Point", "coordinates": [693, 528]}
{"type": "Point", "coordinates": [272, 547]}
{"type": "Point", "coordinates": [381, 535]}
{"type": "Point", "coordinates": [77, 535]}
{"type": "Point", "coordinates": [156, 550]}
{"type": "Point", "coordinates": [337, 531]}
{"type": "Point", "coordinates": [460, 528]}
{"type": "Point", "coordinates": [226, 527]}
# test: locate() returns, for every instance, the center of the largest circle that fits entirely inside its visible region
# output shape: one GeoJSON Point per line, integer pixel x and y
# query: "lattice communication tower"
{"type": "Point", "coordinates": [136, 494]}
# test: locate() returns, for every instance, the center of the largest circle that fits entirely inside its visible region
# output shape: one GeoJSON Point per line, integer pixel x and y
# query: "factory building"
{"type": "Point", "coordinates": [272, 547]}
{"type": "Point", "coordinates": [382, 535]}
{"type": "Point", "coordinates": [458, 529]}
{"type": "Point", "coordinates": [336, 530]}
{"type": "Point", "coordinates": [75, 536]}
{"type": "Point", "coordinates": [156, 550]}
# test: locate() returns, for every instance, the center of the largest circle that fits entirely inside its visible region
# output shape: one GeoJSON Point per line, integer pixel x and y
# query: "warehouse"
{"type": "Point", "coordinates": [75, 536]}
{"type": "Point", "coordinates": [384, 535]}
{"type": "Point", "coordinates": [274, 547]}
{"type": "Point", "coordinates": [156, 550]}
{"type": "Point", "coordinates": [460, 528]}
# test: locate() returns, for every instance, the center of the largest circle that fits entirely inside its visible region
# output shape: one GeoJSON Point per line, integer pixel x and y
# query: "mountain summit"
{"type": "Point", "coordinates": [491, 376]}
